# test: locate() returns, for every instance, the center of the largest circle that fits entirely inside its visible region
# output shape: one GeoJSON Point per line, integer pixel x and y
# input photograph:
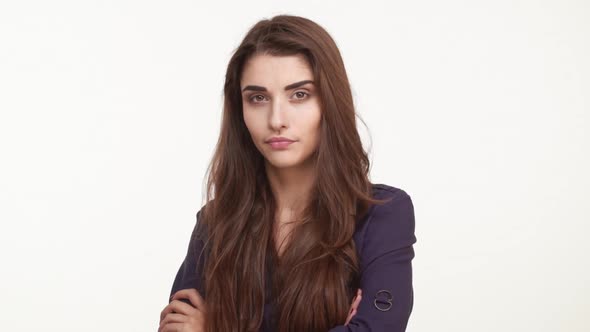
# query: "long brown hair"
{"type": "Point", "coordinates": [314, 281]}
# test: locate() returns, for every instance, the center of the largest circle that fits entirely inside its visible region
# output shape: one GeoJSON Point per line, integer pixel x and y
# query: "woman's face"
{"type": "Point", "coordinates": [278, 102]}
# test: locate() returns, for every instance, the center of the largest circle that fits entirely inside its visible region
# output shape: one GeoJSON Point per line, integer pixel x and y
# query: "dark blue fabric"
{"type": "Point", "coordinates": [384, 240]}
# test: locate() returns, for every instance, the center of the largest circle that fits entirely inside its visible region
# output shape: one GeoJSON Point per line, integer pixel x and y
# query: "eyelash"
{"type": "Point", "coordinates": [251, 98]}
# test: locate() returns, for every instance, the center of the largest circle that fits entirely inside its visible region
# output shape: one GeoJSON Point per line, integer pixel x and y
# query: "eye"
{"type": "Point", "coordinates": [254, 100]}
{"type": "Point", "coordinates": [302, 92]}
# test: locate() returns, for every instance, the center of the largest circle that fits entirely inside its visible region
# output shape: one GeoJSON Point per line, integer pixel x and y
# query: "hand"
{"type": "Point", "coordinates": [355, 303]}
{"type": "Point", "coordinates": [179, 316]}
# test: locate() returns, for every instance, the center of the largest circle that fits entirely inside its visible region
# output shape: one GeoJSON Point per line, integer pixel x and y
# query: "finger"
{"type": "Point", "coordinates": [177, 306]}
{"type": "Point", "coordinates": [352, 313]}
{"type": "Point", "coordinates": [172, 327]}
{"type": "Point", "coordinates": [357, 301]}
{"type": "Point", "coordinates": [173, 318]}
{"type": "Point", "coordinates": [193, 295]}
{"type": "Point", "coordinates": [358, 293]}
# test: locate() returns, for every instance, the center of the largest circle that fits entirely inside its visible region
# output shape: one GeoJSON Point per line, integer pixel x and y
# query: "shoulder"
{"type": "Point", "coordinates": [389, 226]}
{"type": "Point", "coordinates": [396, 214]}
{"type": "Point", "coordinates": [381, 189]}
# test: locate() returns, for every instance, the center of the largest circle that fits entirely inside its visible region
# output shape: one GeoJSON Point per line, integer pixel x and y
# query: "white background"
{"type": "Point", "coordinates": [110, 111]}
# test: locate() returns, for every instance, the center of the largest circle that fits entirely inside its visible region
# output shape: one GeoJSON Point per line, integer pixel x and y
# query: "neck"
{"type": "Point", "coordinates": [291, 186]}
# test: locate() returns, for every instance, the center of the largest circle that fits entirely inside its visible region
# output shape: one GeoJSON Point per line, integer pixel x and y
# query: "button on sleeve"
{"type": "Point", "coordinates": [386, 269]}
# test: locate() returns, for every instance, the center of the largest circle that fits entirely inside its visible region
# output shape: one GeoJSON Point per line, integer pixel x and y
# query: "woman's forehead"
{"type": "Point", "coordinates": [275, 70]}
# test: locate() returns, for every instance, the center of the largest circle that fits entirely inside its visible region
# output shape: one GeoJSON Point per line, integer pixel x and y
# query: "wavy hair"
{"type": "Point", "coordinates": [314, 280]}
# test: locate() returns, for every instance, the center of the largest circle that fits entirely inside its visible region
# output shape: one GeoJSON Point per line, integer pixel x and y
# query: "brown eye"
{"type": "Point", "coordinates": [253, 98]}
{"type": "Point", "coordinates": [303, 93]}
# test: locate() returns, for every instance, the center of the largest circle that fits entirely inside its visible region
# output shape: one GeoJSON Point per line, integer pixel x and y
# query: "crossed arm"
{"type": "Point", "coordinates": [386, 270]}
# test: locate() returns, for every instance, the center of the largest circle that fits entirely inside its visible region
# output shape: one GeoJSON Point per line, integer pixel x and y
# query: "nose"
{"type": "Point", "coordinates": [279, 114]}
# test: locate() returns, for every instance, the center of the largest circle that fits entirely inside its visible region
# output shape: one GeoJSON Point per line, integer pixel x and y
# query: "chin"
{"type": "Point", "coordinates": [283, 162]}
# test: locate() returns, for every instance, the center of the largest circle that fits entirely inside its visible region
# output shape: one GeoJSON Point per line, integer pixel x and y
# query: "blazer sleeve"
{"type": "Point", "coordinates": [386, 269]}
{"type": "Point", "coordinates": [190, 274]}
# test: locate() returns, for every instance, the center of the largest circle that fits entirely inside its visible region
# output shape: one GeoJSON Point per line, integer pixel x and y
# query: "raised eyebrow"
{"type": "Point", "coordinates": [287, 88]}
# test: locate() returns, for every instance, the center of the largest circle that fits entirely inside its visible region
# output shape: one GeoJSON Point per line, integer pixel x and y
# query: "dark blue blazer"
{"type": "Point", "coordinates": [384, 240]}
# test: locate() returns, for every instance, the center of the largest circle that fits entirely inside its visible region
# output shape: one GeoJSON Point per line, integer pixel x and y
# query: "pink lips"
{"type": "Point", "coordinates": [279, 142]}
{"type": "Point", "coordinates": [278, 145]}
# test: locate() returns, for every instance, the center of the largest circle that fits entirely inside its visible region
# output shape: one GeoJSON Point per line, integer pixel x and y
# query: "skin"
{"type": "Point", "coordinates": [295, 114]}
{"type": "Point", "coordinates": [354, 305]}
{"type": "Point", "coordinates": [178, 316]}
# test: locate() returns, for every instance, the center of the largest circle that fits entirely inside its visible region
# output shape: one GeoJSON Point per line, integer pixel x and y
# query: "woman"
{"type": "Point", "coordinates": [297, 238]}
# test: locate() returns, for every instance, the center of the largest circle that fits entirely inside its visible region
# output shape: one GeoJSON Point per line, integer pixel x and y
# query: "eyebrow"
{"type": "Point", "coordinates": [288, 87]}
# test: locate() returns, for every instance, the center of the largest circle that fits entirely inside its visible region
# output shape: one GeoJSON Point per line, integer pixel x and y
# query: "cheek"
{"type": "Point", "coordinates": [314, 123]}
{"type": "Point", "coordinates": [312, 130]}
{"type": "Point", "coordinates": [256, 130]}
{"type": "Point", "coordinates": [250, 123]}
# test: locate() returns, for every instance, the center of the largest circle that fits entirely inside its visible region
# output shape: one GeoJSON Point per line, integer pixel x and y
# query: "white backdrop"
{"type": "Point", "coordinates": [478, 109]}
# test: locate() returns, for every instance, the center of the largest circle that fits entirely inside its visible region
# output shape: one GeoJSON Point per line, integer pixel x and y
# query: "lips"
{"type": "Point", "coordinates": [279, 139]}
{"type": "Point", "coordinates": [280, 144]}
